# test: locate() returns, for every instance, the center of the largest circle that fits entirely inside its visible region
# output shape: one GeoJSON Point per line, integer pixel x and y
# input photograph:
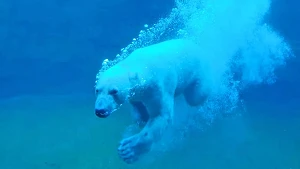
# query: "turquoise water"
{"type": "Point", "coordinates": [66, 135]}
{"type": "Point", "coordinates": [51, 51]}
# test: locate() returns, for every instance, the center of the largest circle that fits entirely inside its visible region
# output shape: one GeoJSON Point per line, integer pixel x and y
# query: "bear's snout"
{"type": "Point", "coordinates": [102, 113]}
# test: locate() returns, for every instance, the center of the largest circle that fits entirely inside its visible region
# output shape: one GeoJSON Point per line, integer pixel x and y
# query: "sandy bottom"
{"type": "Point", "coordinates": [62, 132]}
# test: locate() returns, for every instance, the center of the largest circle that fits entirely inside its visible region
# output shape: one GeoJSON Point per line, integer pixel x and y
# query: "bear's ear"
{"type": "Point", "coordinates": [133, 77]}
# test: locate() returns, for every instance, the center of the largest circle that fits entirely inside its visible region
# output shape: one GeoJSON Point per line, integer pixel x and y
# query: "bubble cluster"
{"type": "Point", "coordinates": [160, 31]}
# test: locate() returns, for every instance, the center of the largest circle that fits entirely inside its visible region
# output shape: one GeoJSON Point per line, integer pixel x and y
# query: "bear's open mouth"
{"type": "Point", "coordinates": [102, 115]}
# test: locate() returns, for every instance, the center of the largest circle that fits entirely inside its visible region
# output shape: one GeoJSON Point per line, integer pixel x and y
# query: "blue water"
{"type": "Point", "coordinates": [51, 51]}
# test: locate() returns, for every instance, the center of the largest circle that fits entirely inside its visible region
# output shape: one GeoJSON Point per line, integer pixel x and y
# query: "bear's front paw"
{"type": "Point", "coordinates": [131, 148]}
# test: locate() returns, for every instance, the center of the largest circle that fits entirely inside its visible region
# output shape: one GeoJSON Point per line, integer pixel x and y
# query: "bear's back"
{"type": "Point", "coordinates": [178, 53]}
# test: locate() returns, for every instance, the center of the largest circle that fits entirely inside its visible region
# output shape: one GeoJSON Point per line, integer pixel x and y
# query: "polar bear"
{"type": "Point", "coordinates": [149, 79]}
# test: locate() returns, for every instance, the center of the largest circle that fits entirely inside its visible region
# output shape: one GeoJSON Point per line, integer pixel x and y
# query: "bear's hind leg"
{"type": "Point", "coordinates": [194, 94]}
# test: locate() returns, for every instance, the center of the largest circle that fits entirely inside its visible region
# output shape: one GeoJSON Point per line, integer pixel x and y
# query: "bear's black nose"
{"type": "Point", "coordinates": [102, 113]}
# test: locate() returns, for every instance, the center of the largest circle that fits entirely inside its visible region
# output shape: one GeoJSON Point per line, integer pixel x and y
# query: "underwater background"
{"type": "Point", "coordinates": [51, 51]}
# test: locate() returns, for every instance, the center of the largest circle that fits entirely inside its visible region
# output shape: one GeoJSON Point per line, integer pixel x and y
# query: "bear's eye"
{"type": "Point", "coordinates": [113, 91]}
{"type": "Point", "coordinates": [97, 91]}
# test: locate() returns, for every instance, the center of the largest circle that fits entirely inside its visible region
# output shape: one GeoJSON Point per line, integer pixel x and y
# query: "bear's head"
{"type": "Point", "coordinates": [112, 90]}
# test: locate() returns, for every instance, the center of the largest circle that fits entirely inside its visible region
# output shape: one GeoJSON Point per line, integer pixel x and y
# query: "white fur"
{"type": "Point", "coordinates": [152, 77]}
